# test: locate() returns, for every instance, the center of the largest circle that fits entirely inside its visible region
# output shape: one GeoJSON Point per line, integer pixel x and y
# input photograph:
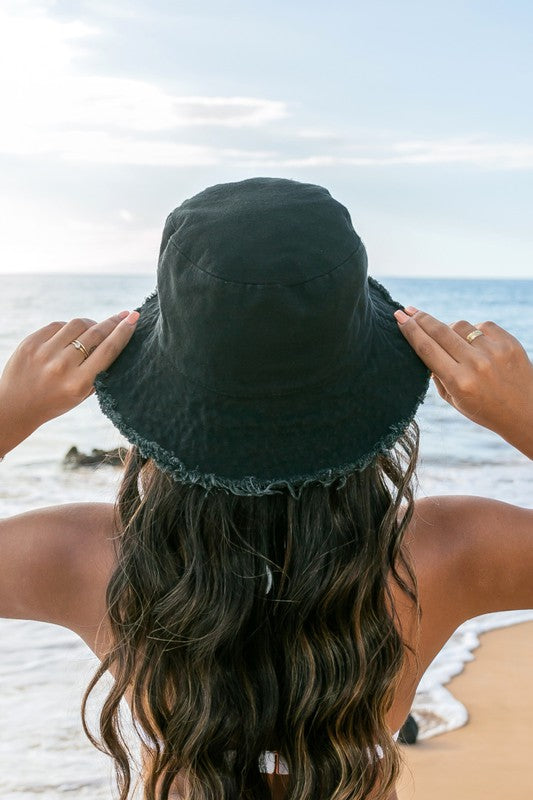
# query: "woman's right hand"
{"type": "Point", "coordinates": [45, 378]}
{"type": "Point", "coordinates": [489, 380]}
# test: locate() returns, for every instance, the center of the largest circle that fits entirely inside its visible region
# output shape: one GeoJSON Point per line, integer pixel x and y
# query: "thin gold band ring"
{"type": "Point", "coordinates": [474, 334]}
{"type": "Point", "coordinates": [79, 346]}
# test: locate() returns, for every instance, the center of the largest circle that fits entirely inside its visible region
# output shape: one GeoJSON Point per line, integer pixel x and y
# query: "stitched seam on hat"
{"type": "Point", "coordinates": [273, 283]}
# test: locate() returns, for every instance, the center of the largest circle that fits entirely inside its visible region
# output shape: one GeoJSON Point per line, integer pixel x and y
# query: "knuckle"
{"type": "Point", "coordinates": [512, 353]}
{"type": "Point", "coordinates": [483, 365]}
{"type": "Point", "coordinates": [74, 388]}
{"type": "Point", "coordinates": [488, 326]}
{"type": "Point", "coordinates": [508, 346]}
{"type": "Point", "coordinates": [53, 368]}
{"type": "Point", "coordinates": [103, 336]}
{"type": "Point", "coordinates": [466, 387]}
{"type": "Point", "coordinates": [506, 339]}
{"type": "Point", "coordinates": [26, 346]}
{"type": "Point", "coordinates": [78, 322]}
{"type": "Point", "coordinates": [97, 338]}
{"type": "Point", "coordinates": [40, 357]}
{"type": "Point", "coordinates": [465, 384]}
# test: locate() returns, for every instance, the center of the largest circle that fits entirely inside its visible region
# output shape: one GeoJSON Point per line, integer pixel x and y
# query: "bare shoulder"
{"type": "Point", "coordinates": [477, 553]}
{"type": "Point", "coordinates": [51, 557]}
{"type": "Point", "coordinates": [471, 555]}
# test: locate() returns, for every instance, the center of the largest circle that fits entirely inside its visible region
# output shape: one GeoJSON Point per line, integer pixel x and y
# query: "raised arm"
{"type": "Point", "coordinates": [40, 564]}
{"type": "Point", "coordinates": [489, 380]}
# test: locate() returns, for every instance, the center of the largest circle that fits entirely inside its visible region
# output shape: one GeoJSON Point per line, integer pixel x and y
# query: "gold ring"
{"type": "Point", "coordinates": [474, 334]}
{"type": "Point", "coordinates": [79, 346]}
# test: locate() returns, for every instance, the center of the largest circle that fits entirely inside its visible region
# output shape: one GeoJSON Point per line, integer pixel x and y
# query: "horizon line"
{"type": "Point", "coordinates": [377, 275]}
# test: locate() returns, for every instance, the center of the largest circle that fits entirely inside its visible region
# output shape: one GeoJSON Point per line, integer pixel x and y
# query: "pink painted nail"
{"type": "Point", "coordinates": [123, 314]}
{"type": "Point", "coordinates": [400, 316]}
{"type": "Point", "coordinates": [132, 318]}
{"type": "Point", "coordinates": [411, 309]}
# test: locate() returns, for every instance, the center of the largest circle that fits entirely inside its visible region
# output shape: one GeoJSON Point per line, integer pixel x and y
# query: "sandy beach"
{"type": "Point", "coordinates": [490, 757]}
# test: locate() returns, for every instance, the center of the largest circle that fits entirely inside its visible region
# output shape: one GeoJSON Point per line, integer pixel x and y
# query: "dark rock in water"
{"type": "Point", "coordinates": [114, 457]}
{"type": "Point", "coordinates": [408, 731]}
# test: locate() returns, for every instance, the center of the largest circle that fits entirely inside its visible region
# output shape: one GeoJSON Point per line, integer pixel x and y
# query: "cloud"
{"type": "Point", "coordinates": [48, 106]}
{"type": "Point", "coordinates": [99, 147]}
{"type": "Point", "coordinates": [319, 134]}
{"type": "Point", "coordinates": [51, 107]}
{"type": "Point", "coordinates": [468, 151]}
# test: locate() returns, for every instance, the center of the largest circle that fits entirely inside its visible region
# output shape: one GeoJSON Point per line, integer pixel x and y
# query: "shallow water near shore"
{"type": "Point", "coordinates": [44, 668]}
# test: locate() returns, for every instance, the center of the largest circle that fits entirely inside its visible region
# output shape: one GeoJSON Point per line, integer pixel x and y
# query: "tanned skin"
{"type": "Point", "coordinates": [472, 555]}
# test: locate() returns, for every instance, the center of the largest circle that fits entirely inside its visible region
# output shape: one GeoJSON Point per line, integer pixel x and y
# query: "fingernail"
{"type": "Point", "coordinates": [400, 316]}
{"type": "Point", "coordinates": [123, 314]}
{"type": "Point", "coordinates": [411, 309]}
{"type": "Point", "coordinates": [132, 318]}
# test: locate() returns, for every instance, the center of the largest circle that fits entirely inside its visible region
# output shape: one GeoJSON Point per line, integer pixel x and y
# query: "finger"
{"type": "Point", "coordinates": [45, 333]}
{"type": "Point", "coordinates": [463, 328]}
{"type": "Point", "coordinates": [73, 329]}
{"type": "Point", "coordinates": [426, 347]}
{"type": "Point", "coordinates": [491, 330]}
{"type": "Point", "coordinates": [451, 340]}
{"type": "Point", "coordinates": [108, 350]}
{"type": "Point", "coordinates": [93, 336]}
{"type": "Point", "coordinates": [493, 335]}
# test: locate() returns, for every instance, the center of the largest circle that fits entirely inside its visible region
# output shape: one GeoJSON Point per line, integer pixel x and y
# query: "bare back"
{"type": "Point", "coordinates": [471, 555]}
{"type": "Point", "coordinates": [433, 542]}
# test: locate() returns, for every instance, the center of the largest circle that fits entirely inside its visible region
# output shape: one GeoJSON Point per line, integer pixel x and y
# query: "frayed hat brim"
{"type": "Point", "coordinates": [259, 446]}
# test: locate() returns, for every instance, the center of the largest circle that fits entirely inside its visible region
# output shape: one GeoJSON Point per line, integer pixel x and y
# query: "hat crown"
{"type": "Point", "coordinates": [262, 287]}
{"type": "Point", "coordinates": [263, 360]}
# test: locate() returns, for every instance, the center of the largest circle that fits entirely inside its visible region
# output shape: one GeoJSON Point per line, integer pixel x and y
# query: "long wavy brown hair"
{"type": "Point", "coordinates": [243, 624]}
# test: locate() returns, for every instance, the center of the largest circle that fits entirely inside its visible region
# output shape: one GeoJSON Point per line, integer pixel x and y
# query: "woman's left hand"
{"type": "Point", "coordinates": [47, 376]}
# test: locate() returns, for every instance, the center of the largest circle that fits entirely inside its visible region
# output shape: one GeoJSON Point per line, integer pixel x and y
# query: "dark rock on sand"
{"type": "Point", "coordinates": [408, 731]}
{"type": "Point", "coordinates": [114, 457]}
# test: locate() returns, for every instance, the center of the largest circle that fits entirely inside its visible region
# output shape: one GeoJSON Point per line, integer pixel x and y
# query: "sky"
{"type": "Point", "coordinates": [417, 116]}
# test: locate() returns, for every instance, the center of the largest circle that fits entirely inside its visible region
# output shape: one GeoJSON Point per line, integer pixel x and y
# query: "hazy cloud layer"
{"type": "Point", "coordinates": [51, 107]}
{"type": "Point", "coordinates": [47, 107]}
{"type": "Point", "coordinates": [95, 150]}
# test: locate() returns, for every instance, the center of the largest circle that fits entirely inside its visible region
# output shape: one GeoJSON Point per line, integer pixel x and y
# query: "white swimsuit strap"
{"type": "Point", "coordinates": [267, 762]}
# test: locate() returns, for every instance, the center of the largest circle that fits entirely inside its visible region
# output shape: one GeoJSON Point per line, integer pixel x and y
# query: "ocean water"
{"type": "Point", "coordinates": [44, 668]}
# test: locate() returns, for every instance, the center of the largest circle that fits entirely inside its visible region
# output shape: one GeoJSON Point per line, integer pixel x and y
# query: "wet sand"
{"type": "Point", "coordinates": [491, 757]}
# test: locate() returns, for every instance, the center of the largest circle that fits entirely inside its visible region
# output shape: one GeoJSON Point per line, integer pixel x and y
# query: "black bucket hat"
{"type": "Point", "coordinates": [266, 358]}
